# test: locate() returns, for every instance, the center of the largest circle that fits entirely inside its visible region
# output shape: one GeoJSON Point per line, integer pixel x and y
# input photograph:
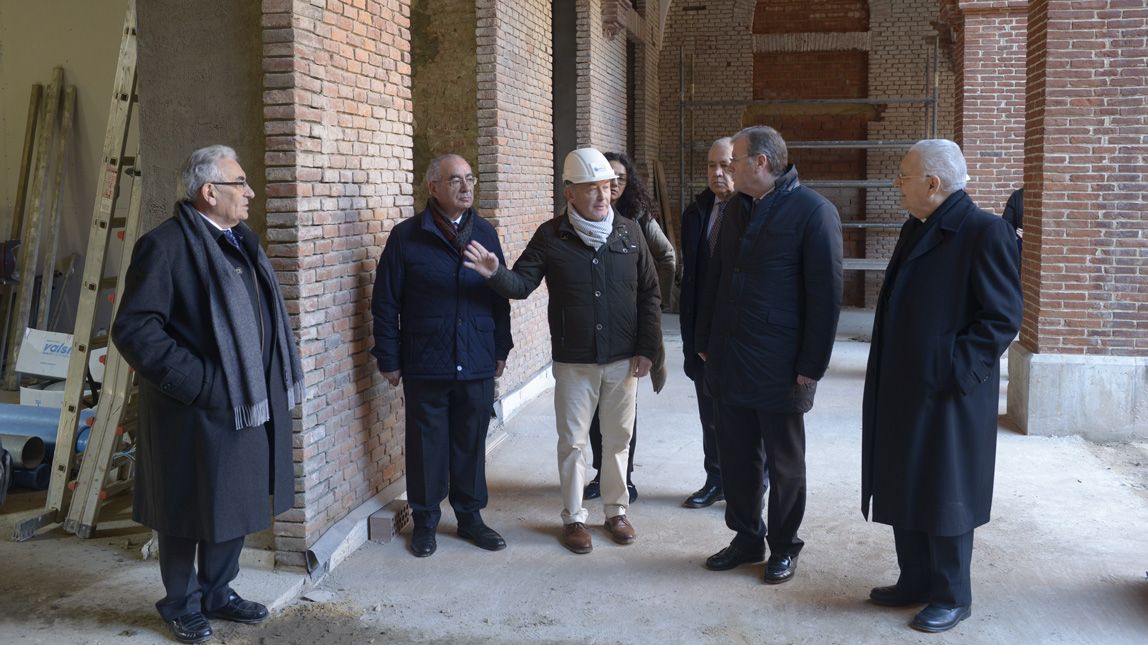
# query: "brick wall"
{"type": "Point", "coordinates": [900, 52]}
{"type": "Point", "coordinates": [1086, 236]}
{"type": "Point", "coordinates": [990, 97]}
{"type": "Point", "coordinates": [337, 110]}
{"type": "Point", "coordinates": [806, 16]}
{"type": "Point", "coordinates": [601, 82]}
{"type": "Point", "coordinates": [709, 44]}
{"type": "Point", "coordinates": [515, 158]}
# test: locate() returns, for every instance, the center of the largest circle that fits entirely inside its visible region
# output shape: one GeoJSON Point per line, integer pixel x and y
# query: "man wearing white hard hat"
{"type": "Point", "coordinates": [605, 328]}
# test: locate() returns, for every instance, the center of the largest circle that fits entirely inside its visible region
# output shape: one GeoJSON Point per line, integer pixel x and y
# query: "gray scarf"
{"type": "Point", "coordinates": [235, 326]}
{"type": "Point", "coordinates": [593, 234]}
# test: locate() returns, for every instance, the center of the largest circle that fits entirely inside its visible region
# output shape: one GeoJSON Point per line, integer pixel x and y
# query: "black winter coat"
{"type": "Point", "coordinates": [604, 305]}
{"type": "Point", "coordinates": [433, 318]}
{"type": "Point", "coordinates": [196, 475]}
{"type": "Point", "coordinates": [933, 380]}
{"type": "Point", "coordinates": [695, 260]}
{"type": "Point", "coordinates": [772, 298]}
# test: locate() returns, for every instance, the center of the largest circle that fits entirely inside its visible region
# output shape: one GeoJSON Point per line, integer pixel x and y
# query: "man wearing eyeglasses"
{"type": "Point", "coordinates": [766, 324]}
{"type": "Point", "coordinates": [204, 325]}
{"type": "Point", "coordinates": [949, 307]}
{"type": "Point", "coordinates": [446, 335]}
{"type": "Point", "coordinates": [605, 331]}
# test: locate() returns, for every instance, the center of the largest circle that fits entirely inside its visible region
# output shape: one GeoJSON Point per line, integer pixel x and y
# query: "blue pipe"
{"type": "Point", "coordinates": [34, 421]}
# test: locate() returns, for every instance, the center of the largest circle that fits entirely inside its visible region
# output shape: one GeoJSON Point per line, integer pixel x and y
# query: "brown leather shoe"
{"type": "Point", "coordinates": [620, 529]}
{"type": "Point", "coordinates": [576, 538]}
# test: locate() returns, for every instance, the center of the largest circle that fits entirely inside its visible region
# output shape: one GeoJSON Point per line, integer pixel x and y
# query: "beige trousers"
{"type": "Point", "coordinates": [579, 389]}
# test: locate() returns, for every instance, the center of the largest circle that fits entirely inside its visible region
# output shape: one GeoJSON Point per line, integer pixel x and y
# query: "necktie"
{"type": "Point", "coordinates": [232, 238]}
{"type": "Point", "coordinates": [713, 238]}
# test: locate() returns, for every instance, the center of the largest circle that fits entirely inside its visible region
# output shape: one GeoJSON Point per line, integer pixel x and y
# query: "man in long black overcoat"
{"type": "Point", "coordinates": [949, 307]}
{"type": "Point", "coordinates": [204, 325]}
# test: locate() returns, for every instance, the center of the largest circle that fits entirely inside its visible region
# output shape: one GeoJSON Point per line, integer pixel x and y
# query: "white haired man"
{"type": "Point", "coordinates": [949, 307]}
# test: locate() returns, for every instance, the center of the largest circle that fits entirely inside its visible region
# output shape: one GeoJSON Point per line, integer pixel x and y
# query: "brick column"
{"type": "Point", "coordinates": [1082, 359]}
{"type": "Point", "coordinates": [337, 119]}
{"type": "Point", "coordinates": [515, 161]}
{"type": "Point", "coordinates": [990, 97]}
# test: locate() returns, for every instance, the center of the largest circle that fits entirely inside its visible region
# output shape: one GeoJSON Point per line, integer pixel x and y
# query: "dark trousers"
{"type": "Point", "coordinates": [596, 445]}
{"type": "Point", "coordinates": [190, 591]}
{"type": "Point", "coordinates": [447, 423]}
{"type": "Point", "coordinates": [709, 434]}
{"type": "Point", "coordinates": [936, 564]}
{"type": "Point", "coordinates": [750, 441]}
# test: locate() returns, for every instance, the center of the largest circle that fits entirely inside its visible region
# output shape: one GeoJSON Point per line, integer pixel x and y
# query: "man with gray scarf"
{"type": "Point", "coordinates": [605, 331]}
{"type": "Point", "coordinates": [204, 325]}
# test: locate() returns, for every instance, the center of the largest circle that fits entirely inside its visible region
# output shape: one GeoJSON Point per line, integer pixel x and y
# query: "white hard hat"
{"type": "Point", "coordinates": [586, 165]}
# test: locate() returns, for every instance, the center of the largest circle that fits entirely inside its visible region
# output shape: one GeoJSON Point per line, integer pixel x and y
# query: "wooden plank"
{"type": "Point", "coordinates": [30, 236]}
{"type": "Point", "coordinates": [52, 236]}
{"type": "Point", "coordinates": [34, 105]}
{"type": "Point", "coordinates": [115, 141]}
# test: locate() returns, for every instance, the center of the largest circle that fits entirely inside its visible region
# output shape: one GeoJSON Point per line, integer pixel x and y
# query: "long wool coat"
{"type": "Point", "coordinates": [196, 475]}
{"type": "Point", "coordinates": [931, 387]}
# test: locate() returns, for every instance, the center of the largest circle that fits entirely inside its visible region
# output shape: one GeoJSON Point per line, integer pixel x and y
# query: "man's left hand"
{"type": "Point", "coordinates": [805, 380]}
{"type": "Point", "coordinates": [498, 367]}
{"type": "Point", "coordinates": [640, 366]}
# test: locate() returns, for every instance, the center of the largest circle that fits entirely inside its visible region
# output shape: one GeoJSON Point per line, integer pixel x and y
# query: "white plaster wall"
{"type": "Point", "coordinates": [83, 37]}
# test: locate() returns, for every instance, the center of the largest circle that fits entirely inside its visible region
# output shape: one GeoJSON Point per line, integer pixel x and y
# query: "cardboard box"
{"type": "Point", "coordinates": [42, 398]}
{"type": "Point", "coordinates": [44, 353]}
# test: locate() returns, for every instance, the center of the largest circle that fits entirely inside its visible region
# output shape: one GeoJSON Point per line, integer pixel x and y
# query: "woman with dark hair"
{"type": "Point", "coordinates": [629, 198]}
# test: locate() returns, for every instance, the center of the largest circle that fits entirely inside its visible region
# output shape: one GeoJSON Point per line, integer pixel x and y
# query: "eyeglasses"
{"type": "Point", "coordinates": [900, 179]}
{"type": "Point", "coordinates": [456, 182]}
{"type": "Point", "coordinates": [621, 179]}
{"type": "Point", "coordinates": [241, 182]}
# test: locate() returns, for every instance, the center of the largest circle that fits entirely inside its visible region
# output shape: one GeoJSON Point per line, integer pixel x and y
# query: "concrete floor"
{"type": "Point", "coordinates": [1063, 560]}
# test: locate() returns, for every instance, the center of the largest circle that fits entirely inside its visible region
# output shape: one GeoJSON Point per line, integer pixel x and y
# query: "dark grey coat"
{"type": "Point", "coordinates": [943, 319]}
{"type": "Point", "coordinates": [196, 476]}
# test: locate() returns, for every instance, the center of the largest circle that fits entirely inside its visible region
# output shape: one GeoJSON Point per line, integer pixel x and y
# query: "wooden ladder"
{"type": "Point", "coordinates": [117, 380]}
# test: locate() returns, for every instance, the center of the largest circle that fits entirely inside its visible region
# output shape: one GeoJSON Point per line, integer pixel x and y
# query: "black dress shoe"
{"type": "Point", "coordinates": [633, 490]}
{"type": "Point", "coordinates": [780, 569]}
{"type": "Point", "coordinates": [935, 618]}
{"type": "Point", "coordinates": [593, 490]}
{"type": "Point", "coordinates": [190, 628]}
{"type": "Point", "coordinates": [422, 542]}
{"type": "Point", "coordinates": [704, 496]}
{"type": "Point", "coordinates": [732, 556]}
{"type": "Point", "coordinates": [482, 536]}
{"type": "Point", "coordinates": [238, 610]}
{"type": "Point", "coordinates": [894, 596]}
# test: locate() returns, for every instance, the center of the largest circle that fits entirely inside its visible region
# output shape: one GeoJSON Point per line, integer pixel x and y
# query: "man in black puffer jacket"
{"type": "Point", "coordinates": [605, 330]}
{"type": "Point", "coordinates": [440, 329]}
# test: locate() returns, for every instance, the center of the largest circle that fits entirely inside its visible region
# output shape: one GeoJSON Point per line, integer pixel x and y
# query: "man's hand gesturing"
{"type": "Point", "coordinates": [480, 260]}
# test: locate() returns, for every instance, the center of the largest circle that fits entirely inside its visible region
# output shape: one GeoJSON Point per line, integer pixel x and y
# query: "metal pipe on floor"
{"type": "Point", "coordinates": [27, 452]}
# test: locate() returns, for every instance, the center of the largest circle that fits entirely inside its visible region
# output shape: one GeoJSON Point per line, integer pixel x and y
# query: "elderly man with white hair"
{"type": "Point", "coordinates": [949, 307]}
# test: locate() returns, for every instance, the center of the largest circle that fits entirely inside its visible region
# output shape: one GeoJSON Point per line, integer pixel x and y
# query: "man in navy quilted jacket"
{"type": "Point", "coordinates": [446, 335]}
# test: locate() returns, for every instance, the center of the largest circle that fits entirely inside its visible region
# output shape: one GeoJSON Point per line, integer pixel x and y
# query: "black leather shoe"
{"type": "Point", "coordinates": [238, 610]}
{"type": "Point", "coordinates": [780, 569]}
{"type": "Point", "coordinates": [633, 490]}
{"type": "Point", "coordinates": [593, 490]}
{"type": "Point", "coordinates": [894, 596]}
{"type": "Point", "coordinates": [732, 556]}
{"type": "Point", "coordinates": [482, 536]}
{"type": "Point", "coordinates": [422, 542]}
{"type": "Point", "coordinates": [704, 496]}
{"type": "Point", "coordinates": [190, 628]}
{"type": "Point", "coordinates": [935, 618]}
